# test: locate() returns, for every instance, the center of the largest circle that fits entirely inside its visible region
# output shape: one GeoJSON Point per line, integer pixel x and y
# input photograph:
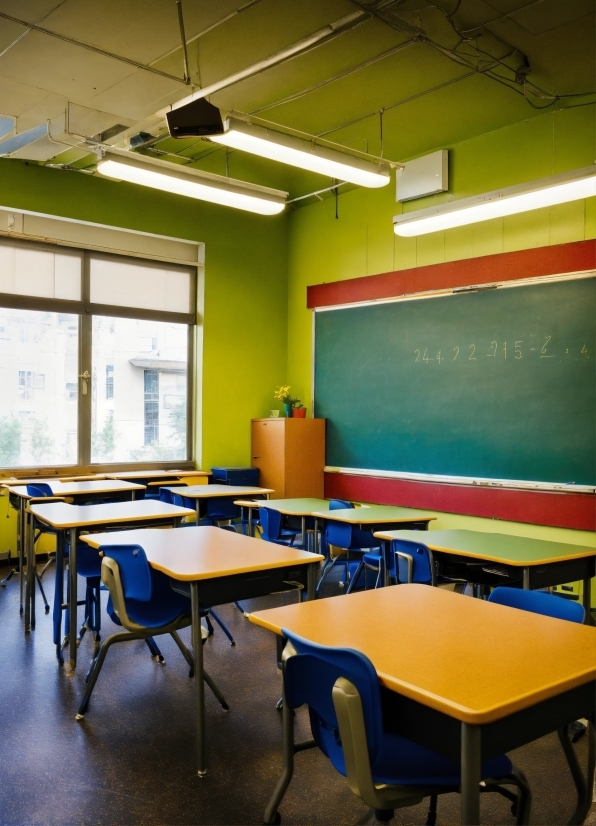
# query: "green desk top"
{"type": "Point", "coordinates": [297, 507]}
{"type": "Point", "coordinates": [375, 514]}
{"type": "Point", "coordinates": [494, 547]}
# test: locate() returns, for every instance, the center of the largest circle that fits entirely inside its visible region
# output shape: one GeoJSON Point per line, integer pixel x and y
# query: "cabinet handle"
{"type": "Point", "coordinates": [256, 457]}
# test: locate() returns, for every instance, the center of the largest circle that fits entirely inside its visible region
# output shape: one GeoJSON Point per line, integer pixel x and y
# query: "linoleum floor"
{"type": "Point", "coordinates": [132, 759]}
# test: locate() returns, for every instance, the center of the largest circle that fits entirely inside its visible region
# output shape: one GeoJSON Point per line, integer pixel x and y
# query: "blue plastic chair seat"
{"type": "Point", "coordinates": [164, 607]}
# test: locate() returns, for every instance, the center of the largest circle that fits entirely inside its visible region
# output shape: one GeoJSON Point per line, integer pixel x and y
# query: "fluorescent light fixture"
{"type": "Point", "coordinates": [191, 183]}
{"type": "Point", "coordinates": [558, 189]}
{"type": "Point", "coordinates": [296, 152]}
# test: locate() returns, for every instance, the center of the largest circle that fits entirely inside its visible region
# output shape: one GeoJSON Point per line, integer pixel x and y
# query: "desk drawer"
{"type": "Point", "coordinates": [246, 586]}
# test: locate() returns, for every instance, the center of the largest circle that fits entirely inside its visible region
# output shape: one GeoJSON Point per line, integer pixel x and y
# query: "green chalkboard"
{"type": "Point", "coordinates": [497, 384]}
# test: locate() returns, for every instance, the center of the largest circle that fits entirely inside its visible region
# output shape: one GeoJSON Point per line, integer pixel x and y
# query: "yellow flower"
{"type": "Point", "coordinates": [282, 393]}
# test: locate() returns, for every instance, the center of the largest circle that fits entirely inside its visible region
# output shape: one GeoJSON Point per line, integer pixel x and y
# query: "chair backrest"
{"type": "Point", "coordinates": [339, 504]}
{"type": "Point", "coordinates": [538, 602]}
{"type": "Point", "coordinates": [166, 496]}
{"type": "Point", "coordinates": [222, 508]}
{"type": "Point", "coordinates": [270, 520]}
{"type": "Point", "coordinates": [309, 677]}
{"type": "Point", "coordinates": [135, 571]}
{"type": "Point", "coordinates": [421, 565]}
{"type": "Point", "coordinates": [39, 489]}
{"type": "Point", "coordinates": [182, 501]}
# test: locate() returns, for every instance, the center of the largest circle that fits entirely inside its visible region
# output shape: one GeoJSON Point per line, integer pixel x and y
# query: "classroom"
{"type": "Point", "coordinates": [302, 300]}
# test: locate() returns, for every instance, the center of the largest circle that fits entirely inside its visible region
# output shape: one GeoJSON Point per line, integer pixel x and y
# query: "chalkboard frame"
{"type": "Point", "coordinates": [471, 481]}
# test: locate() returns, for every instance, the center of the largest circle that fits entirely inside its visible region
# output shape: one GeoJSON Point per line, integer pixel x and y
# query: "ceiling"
{"type": "Point", "coordinates": [408, 77]}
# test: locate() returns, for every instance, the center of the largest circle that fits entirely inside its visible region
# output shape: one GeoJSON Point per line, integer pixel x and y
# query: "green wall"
{"type": "Point", "coordinates": [361, 240]}
{"type": "Point", "coordinates": [245, 298]}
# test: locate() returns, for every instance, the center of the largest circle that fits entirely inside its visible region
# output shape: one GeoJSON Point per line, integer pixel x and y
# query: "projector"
{"type": "Point", "coordinates": [198, 119]}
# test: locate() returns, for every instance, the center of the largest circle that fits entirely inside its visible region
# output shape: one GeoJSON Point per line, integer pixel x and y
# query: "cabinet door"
{"type": "Point", "coordinates": [267, 453]}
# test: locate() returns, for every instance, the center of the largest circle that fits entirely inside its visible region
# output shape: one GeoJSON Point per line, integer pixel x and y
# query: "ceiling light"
{"type": "Point", "coordinates": [558, 189]}
{"type": "Point", "coordinates": [203, 186]}
{"type": "Point", "coordinates": [296, 152]}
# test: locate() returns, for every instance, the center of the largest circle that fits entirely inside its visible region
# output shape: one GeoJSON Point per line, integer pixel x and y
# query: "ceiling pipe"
{"type": "Point", "coordinates": [324, 35]}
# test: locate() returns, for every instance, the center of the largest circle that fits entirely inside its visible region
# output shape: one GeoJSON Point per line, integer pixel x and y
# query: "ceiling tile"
{"type": "Point", "coordinates": [51, 64]}
{"type": "Point", "coordinates": [16, 98]}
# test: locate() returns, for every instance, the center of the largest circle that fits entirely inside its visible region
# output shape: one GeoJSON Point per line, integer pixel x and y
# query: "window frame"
{"type": "Point", "coordinates": [85, 310]}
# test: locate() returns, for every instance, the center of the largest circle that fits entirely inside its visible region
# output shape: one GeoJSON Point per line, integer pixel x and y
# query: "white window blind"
{"type": "Point", "coordinates": [147, 286]}
{"type": "Point", "coordinates": [40, 272]}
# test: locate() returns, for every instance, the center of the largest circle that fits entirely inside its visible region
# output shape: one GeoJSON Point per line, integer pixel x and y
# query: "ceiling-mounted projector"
{"type": "Point", "coordinates": [199, 119]}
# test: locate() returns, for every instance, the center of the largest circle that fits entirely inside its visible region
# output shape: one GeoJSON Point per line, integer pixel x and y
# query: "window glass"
{"type": "Point", "coordinates": [144, 285]}
{"type": "Point", "coordinates": [139, 387]}
{"type": "Point", "coordinates": [38, 388]}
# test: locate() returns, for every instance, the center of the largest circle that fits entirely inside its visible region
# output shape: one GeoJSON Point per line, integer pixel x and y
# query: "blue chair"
{"type": "Point", "coordinates": [348, 538]}
{"type": "Point", "coordinates": [538, 602]}
{"type": "Point", "coordinates": [549, 605]}
{"type": "Point", "coordinates": [385, 770]}
{"type": "Point", "coordinates": [271, 527]}
{"type": "Point", "coordinates": [142, 601]}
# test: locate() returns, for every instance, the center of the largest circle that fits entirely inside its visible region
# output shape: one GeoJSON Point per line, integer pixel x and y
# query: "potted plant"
{"type": "Point", "coordinates": [282, 394]}
{"type": "Point", "coordinates": [298, 409]}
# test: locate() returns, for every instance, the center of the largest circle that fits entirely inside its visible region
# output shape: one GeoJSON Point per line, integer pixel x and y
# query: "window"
{"type": "Point", "coordinates": [109, 381]}
{"type": "Point", "coordinates": [136, 323]}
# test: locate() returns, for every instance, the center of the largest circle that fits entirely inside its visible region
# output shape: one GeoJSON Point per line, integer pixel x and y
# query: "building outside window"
{"type": "Point", "coordinates": [151, 407]}
{"type": "Point", "coordinates": [109, 381]}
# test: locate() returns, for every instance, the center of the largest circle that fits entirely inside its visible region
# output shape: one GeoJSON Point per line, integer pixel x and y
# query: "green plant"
{"type": "Point", "coordinates": [103, 441]}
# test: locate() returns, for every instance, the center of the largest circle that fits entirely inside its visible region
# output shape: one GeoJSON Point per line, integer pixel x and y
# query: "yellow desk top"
{"type": "Point", "coordinates": [470, 659]}
{"type": "Point", "coordinates": [209, 491]}
{"type": "Point", "coordinates": [61, 515]}
{"type": "Point", "coordinates": [521, 551]}
{"type": "Point", "coordinates": [156, 474]}
{"type": "Point", "coordinates": [375, 514]}
{"type": "Point", "coordinates": [78, 488]}
{"type": "Point", "coordinates": [14, 480]}
{"type": "Point", "coordinates": [190, 554]}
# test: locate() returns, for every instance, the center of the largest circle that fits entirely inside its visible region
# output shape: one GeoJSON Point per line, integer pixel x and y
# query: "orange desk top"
{"type": "Point", "coordinates": [190, 554]}
{"type": "Point", "coordinates": [79, 488]}
{"type": "Point", "coordinates": [156, 474]}
{"type": "Point", "coordinates": [209, 491]}
{"type": "Point", "coordinates": [61, 515]}
{"type": "Point", "coordinates": [470, 659]}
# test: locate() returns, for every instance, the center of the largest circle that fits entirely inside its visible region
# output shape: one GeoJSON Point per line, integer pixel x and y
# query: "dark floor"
{"type": "Point", "coordinates": [132, 760]}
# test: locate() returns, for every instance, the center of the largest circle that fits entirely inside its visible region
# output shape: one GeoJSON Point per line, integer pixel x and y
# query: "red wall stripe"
{"type": "Point", "coordinates": [562, 510]}
{"type": "Point", "coordinates": [507, 266]}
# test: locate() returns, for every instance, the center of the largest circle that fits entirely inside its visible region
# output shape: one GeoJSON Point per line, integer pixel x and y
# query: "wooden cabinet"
{"type": "Point", "coordinates": [290, 454]}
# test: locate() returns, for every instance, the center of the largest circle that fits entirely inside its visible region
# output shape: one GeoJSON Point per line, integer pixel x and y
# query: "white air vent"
{"type": "Point", "coordinates": [424, 176]}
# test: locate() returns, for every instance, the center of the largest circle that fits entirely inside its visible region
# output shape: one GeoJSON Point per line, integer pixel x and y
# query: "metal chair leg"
{"type": "Point", "coordinates": [222, 625]}
{"type": "Point", "coordinates": [153, 647]}
{"type": "Point", "coordinates": [43, 594]}
{"type": "Point", "coordinates": [583, 786]}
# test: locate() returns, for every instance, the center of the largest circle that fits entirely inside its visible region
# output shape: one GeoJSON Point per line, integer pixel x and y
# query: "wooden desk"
{"type": "Point", "coordinates": [376, 516]}
{"type": "Point", "coordinates": [71, 519]}
{"type": "Point", "coordinates": [216, 567]}
{"type": "Point", "coordinates": [157, 474]}
{"type": "Point", "coordinates": [538, 562]}
{"type": "Point", "coordinates": [19, 498]}
{"type": "Point", "coordinates": [463, 678]}
{"type": "Point", "coordinates": [200, 492]}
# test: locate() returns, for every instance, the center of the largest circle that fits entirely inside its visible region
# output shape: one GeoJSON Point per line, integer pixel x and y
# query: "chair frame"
{"type": "Point", "coordinates": [110, 576]}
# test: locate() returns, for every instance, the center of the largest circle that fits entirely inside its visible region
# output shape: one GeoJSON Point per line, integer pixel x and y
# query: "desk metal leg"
{"type": "Point", "coordinates": [470, 774]}
{"type": "Point", "coordinates": [288, 762]}
{"type": "Point", "coordinates": [250, 533]}
{"type": "Point", "coordinates": [586, 600]}
{"type": "Point", "coordinates": [584, 785]}
{"type": "Point", "coordinates": [21, 549]}
{"type": "Point", "coordinates": [73, 597]}
{"type": "Point", "coordinates": [303, 530]}
{"type": "Point", "coordinates": [311, 581]}
{"type": "Point", "coordinates": [526, 579]}
{"type": "Point", "coordinates": [197, 644]}
{"type": "Point", "coordinates": [29, 545]}
{"type": "Point", "coordinates": [385, 551]}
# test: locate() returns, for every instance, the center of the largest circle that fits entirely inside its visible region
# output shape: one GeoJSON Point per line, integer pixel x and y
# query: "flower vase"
{"type": "Point", "coordinates": [288, 410]}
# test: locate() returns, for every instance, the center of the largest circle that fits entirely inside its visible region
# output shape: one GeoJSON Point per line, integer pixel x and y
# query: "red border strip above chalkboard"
{"type": "Point", "coordinates": [507, 266]}
{"type": "Point", "coordinates": [565, 510]}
